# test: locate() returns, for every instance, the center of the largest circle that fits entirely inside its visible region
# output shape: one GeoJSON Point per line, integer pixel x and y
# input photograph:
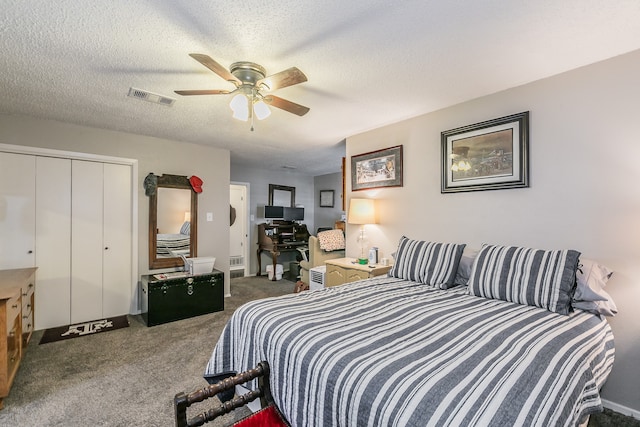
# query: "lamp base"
{"type": "Point", "coordinates": [363, 261]}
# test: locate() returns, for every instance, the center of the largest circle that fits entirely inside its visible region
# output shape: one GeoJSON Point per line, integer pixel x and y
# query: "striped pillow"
{"type": "Point", "coordinates": [540, 278]}
{"type": "Point", "coordinates": [430, 263]}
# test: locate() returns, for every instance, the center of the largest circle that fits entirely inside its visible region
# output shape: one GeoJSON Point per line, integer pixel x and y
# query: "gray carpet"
{"type": "Point", "coordinates": [128, 377]}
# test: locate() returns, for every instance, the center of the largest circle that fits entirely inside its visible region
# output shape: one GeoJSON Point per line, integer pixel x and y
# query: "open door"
{"type": "Point", "coordinates": [238, 233]}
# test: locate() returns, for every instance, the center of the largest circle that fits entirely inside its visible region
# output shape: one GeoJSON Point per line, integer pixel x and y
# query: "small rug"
{"type": "Point", "coordinates": [84, 329]}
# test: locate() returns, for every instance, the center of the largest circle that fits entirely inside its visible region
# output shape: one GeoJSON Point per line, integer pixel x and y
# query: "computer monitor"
{"type": "Point", "coordinates": [273, 212]}
{"type": "Point", "coordinates": [293, 214]}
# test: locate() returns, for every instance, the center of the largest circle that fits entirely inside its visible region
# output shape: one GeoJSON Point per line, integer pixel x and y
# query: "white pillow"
{"type": "Point", "coordinates": [605, 308]}
{"type": "Point", "coordinates": [590, 295]}
{"type": "Point", "coordinates": [592, 278]}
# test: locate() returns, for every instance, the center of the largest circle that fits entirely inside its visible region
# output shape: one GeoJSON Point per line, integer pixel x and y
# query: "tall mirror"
{"type": "Point", "coordinates": [173, 220]}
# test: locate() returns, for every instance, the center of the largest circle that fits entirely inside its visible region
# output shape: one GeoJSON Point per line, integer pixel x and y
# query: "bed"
{"type": "Point", "coordinates": [421, 350]}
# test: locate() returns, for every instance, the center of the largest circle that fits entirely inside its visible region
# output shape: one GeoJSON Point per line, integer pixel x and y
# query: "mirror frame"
{"type": "Point", "coordinates": [273, 188]}
{"type": "Point", "coordinates": [171, 181]}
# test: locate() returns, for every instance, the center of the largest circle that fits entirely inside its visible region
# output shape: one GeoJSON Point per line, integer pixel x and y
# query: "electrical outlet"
{"type": "Point", "coordinates": [209, 216]}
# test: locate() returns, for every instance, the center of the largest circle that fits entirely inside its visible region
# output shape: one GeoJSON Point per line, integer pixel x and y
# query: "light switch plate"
{"type": "Point", "coordinates": [209, 216]}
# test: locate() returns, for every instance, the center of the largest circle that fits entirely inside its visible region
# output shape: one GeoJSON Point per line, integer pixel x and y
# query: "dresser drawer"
{"type": "Point", "coordinates": [14, 308]}
{"type": "Point", "coordinates": [14, 338]}
{"type": "Point", "coordinates": [28, 291]}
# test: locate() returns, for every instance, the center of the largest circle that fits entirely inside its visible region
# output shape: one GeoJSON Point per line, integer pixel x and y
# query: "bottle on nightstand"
{"type": "Point", "coordinates": [373, 256]}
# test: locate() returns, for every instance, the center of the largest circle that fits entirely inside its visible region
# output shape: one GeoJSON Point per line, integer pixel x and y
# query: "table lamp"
{"type": "Point", "coordinates": [362, 212]}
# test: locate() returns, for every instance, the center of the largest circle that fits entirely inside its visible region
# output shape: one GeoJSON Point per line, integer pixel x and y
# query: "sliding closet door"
{"type": "Point", "coordinates": [17, 210]}
{"type": "Point", "coordinates": [86, 240]}
{"type": "Point", "coordinates": [116, 296]}
{"type": "Point", "coordinates": [53, 242]}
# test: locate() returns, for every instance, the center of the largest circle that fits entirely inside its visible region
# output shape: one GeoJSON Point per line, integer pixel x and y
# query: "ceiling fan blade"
{"type": "Point", "coordinates": [289, 106]}
{"type": "Point", "coordinates": [208, 62]}
{"type": "Point", "coordinates": [289, 77]}
{"type": "Point", "coordinates": [202, 92]}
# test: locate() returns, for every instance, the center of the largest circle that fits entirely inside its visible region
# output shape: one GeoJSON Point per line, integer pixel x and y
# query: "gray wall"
{"type": "Point", "coordinates": [326, 217]}
{"type": "Point", "coordinates": [584, 151]}
{"type": "Point", "coordinates": [155, 155]}
{"type": "Point", "coordinates": [259, 180]}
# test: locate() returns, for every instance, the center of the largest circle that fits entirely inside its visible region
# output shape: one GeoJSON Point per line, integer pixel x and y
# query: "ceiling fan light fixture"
{"type": "Point", "coordinates": [240, 106]}
{"type": "Point", "coordinates": [261, 110]}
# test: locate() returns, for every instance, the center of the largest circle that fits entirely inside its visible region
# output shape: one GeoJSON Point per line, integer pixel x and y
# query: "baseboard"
{"type": "Point", "coordinates": [621, 409]}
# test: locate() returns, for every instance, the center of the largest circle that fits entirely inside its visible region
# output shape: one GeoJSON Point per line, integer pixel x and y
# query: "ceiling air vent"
{"type": "Point", "coordinates": [151, 97]}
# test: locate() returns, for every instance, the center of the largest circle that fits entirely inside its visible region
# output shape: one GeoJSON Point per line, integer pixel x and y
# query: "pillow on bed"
{"type": "Point", "coordinates": [536, 277]}
{"type": "Point", "coordinates": [590, 294]}
{"type": "Point", "coordinates": [430, 263]}
{"type": "Point", "coordinates": [186, 228]}
{"type": "Point", "coordinates": [464, 266]}
{"type": "Point", "coordinates": [605, 308]}
{"type": "Point", "coordinates": [592, 278]}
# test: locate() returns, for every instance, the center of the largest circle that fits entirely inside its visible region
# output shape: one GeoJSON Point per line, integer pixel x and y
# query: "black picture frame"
{"type": "Point", "coordinates": [326, 198]}
{"type": "Point", "coordinates": [376, 169]}
{"type": "Point", "coordinates": [490, 155]}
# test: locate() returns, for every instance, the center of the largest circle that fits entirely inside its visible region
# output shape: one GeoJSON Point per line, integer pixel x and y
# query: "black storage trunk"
{"type": "Point", "coordinates": [166, 300]}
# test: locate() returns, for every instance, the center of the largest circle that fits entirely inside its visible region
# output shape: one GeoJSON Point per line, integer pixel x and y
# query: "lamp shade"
{"type": "Point", "coordinates": [261, 110]}
{"type": "Point", "coordinates": [362, 211]}
{"type": "Point", "coordinates": [240, 106]}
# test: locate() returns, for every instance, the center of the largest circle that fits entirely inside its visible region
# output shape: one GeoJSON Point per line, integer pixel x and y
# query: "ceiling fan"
{"type": "Point", "coordinates": [251, 80]}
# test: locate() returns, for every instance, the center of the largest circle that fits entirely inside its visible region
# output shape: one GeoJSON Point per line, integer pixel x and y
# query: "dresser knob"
{"type": "Point", "coordinates": [14, 306]}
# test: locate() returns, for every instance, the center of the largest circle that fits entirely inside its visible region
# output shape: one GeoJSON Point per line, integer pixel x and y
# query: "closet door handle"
{"type": "Point", "coordinates": [30, 252]}
{"type": "Point", "coordinates": [106, 248]}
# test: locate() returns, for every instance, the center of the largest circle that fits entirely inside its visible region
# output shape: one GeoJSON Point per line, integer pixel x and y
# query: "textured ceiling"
{"type": "Point", "coordinates": [369, 63]}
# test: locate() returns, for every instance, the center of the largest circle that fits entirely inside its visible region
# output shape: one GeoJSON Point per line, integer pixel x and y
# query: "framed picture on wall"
{"type": "Point", "coordinates": [326, 198]}
{"type": "Point", "coordinates": [490, 155]}
{"type": "Point", "coordinates": [382, 168]}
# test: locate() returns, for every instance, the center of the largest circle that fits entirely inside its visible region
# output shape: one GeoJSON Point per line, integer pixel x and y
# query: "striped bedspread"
{"type": "Point", "coordinates": [388, 352]}
{"type": "Point", "coordinates": [166, 243]}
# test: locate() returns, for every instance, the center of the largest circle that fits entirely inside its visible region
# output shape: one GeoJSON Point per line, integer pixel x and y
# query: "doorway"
{"type": "Point", "coordinates": [238, 233]}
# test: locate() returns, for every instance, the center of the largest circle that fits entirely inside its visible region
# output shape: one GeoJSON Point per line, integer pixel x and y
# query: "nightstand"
{"type": "Point", "coordinates": [345, 270]}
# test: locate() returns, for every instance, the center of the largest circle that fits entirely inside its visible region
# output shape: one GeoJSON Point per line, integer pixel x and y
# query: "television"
{"type": "Point", "coordinates": [273, 212]}
{"type": "Point", "coordinates": [293, 214]}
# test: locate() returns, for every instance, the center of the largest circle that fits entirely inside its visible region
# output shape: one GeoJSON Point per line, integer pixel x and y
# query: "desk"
{"type": "Point", "coordinates": [278, 237]}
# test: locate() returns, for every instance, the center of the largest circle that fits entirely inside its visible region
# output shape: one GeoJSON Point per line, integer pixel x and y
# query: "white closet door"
{"type": "Point", "coordinates": [116, 296]}
{"type": "Point", "coordinates": [17, 210]}
{"type": "Point", "coordinates": [86, 240]}
{"type": "Point", "coordinates": [53, 242]}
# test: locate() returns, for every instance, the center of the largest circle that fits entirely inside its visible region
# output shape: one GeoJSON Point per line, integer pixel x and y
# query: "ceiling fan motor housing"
{"type": "Point", "coordinates": [248, 72]}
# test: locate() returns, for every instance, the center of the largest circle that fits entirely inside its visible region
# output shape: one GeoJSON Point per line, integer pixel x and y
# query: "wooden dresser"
{"type": "Point", "coordinates": [17, 289]}
{"type": "Point", "coordinates": [345, 270]}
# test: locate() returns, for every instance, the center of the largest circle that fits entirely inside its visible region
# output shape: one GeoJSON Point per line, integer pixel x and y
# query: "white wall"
{"type": "Point", "coordinates": [326, 217]}
{"type": "Point", "coordinates": [155, 155]}
{"type": "Point", "coordinates": [584, 170]}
